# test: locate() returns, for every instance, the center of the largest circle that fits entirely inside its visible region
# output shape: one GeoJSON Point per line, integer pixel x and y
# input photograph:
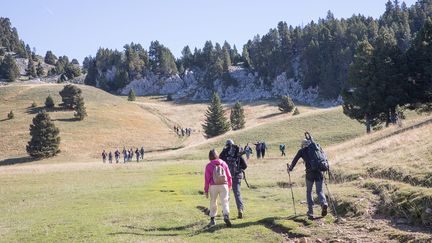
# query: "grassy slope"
{"type": "Point", "coordinates": [112, 123]}
{"type": "Point", "coordinates": [157, 201]}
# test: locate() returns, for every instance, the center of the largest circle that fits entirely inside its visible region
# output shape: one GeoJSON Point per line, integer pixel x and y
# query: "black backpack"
{"type": "Point", "coordinates": [318, 159]}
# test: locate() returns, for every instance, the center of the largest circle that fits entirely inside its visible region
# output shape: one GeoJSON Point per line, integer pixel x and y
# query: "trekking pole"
{"type": "Point", "coordinates": [244, 177]}
{"type": "Point", "coordinates": [292, 193]}
{"type": "Point", "coordinates": [330, 198]}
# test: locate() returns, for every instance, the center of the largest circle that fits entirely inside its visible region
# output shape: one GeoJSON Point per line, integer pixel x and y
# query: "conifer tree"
{"type": "Point", "coordinates": [131, 95]}
{"type": "Point", "coordinates": [215, 123]}
{"type": "Point", "coordinates": [70, 95]}
{"type": "Point", "coordinates": [31, 69]}
{"type": "Point", "coordinates": [45, 140]}
{"type": "Point", "coordinates": [9, 69]}
{"type": "Point", "coordinates": [286, 104]}
{"type": "Point", "coordinates": [80, 110]}
{"type": "Point", "coordinates": [49, 102]}
{"type": "Point", "coordinates": [11, 115]}
{"type": "Point", "coordinates": [50, 58]}
{"type": "Point", "coordinates": [40, 71]}
{"type": "Point", "coordinates": [237, 117]}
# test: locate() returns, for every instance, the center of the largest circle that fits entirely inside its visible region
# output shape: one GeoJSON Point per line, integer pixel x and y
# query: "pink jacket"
{"type": "Point", "coordinates": [208, 179]}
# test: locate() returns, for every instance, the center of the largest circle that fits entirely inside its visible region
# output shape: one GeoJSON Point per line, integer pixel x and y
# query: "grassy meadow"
{"type": "Point", "coordinates": [381, 179]}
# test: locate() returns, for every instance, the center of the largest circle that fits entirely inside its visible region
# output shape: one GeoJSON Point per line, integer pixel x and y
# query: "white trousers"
{"type": "Point", "coordinates": [223, 192]}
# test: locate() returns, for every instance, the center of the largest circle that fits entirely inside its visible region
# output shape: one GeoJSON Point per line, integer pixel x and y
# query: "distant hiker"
{"type": "Point", "coordinates": [258, 149]}
{"type": "Point", "coordinates": [217, 182]}
{"type": "Point", "coordinates": [263, 149]}
{"type": "Point", "coordinates": [104, 156]}
{"type": "Point", "coordinates": [312, 175]}
{"type": "Point", "coordinates": [142, 152]}
{"type": "Point", "coordinates": [124, 152]}
{"type": "Point", "coordinates": [110, 157]}
{"type": "Point", "coordinates": [230, 154]}
{"type": "Point", "coordinates": [137, 153]}
{"type": "Point", "coordinates": [247, 150]}
{"type": "Point", "coordinates": [282, 149]}
{"type": "Point", "coordinates": [182, 132]}
{"type": "Point", "coordinates": [117, 156]}
{"type": "Point", "coordinates": [131, 154]}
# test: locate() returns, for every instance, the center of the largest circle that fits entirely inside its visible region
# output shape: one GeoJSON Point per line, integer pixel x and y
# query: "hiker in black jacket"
{"type": "Point", "coordinates": [232, 156]}
{"type": "Point", "coordinates": [311, 177]}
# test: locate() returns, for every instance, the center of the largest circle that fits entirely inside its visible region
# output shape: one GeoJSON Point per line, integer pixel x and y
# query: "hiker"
{"type": "Point", "coordinates": [142, 152]}
{"type": "Point", "coordinates": [104, 155]}
{"type": "Point", "coordinates": [124, 155]}
{"type": "Point", "coordinates": [258, 149]}
{"type": "Point", "coordinates": [282, 149]}
{"type": "Point", "coordinates": [131, 153]}
{"type": "Point", "coordinates": [263, 149]}
{"type": "Point", "coordinates": [230, 154]}
{"type": "Point", "coordinates": [137, 153]}
{"type": "Point", "coordinates": [247, 150]}
{"type": "Point", "coordinates": [217, 182]}
{"type": "Point", "coordinates": [110, 157]}
{"type": "Point", "coordinates": [117, 156]}
{"type": "Point", "coordinates": [312, 176]}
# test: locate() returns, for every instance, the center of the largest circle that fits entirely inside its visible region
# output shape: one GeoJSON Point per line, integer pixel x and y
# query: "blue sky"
{"type": "Point", "coordinates": [77, 28]}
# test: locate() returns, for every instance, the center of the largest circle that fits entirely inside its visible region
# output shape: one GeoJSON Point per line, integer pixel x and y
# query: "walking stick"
{"type": "Point", "coordinates": [330, 197]}
{"type": "Point", "coordinates": [292, 193]}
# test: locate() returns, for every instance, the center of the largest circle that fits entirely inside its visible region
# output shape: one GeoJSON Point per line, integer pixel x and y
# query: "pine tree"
{"type": "Point", "coordinates": [70, 95]}
{"type": "Point", "coordinates": [50, 58]}
{"type": "Point", "coordinates": [31, 69]}
{"type": "Point", "coordinates": [215, 123]}
{"type": "Point", "coordinates": [11, 115]}
{"type": "Point", "coordinates": [237, 117]}
{"type": "Point", "coordinates": [9, 69]}
{"type": "Point", "coordinates": [131, 95]}
{"type": "Point", "coordinates": [45, 140]}
{"type": "Point", "coordinates": [80, 110]}
{"type": "Point", "coordinates": [49, 102]}
{"type": "Point", "coordinates": [40, 71]}
{"type": "Point", "coordinates": [286, 104]}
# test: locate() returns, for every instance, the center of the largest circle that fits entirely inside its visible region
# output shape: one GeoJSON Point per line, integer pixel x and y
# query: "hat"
{"type": "Point", "coordinates": [229, 142]}
{"type": "Point", "coordinates": [305, 143]}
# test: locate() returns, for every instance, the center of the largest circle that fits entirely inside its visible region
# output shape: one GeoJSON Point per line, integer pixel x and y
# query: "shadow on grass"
{"type": "Point", "coordinates": [72, 119]}
{"type": "Point", "coordinates": [18, 160]}
{"type": "Point", "coordinates": [153, 231]}
{"type": "Point", "coordinates": [270, 115]}
{"type": "Point", "coordinates": [35, 110]}
{"type": "Point", "coordinates": [2, 120]}
{"type": "Point", "coordinates": [269, 223]}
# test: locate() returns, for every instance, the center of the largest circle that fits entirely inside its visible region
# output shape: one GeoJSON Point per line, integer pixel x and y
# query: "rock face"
{"type": "Point", "coordinates": [249, 87]}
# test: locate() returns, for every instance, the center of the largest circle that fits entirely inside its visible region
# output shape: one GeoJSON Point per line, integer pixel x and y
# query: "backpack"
{"type": "Point", "coordinates": [219, 175]}
{"type": "Point", "coordinates": [318, 159]}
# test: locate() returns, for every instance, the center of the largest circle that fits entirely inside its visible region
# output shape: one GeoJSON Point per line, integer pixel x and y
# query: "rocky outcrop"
{"type": "Point", "coordinates": [249, 87]}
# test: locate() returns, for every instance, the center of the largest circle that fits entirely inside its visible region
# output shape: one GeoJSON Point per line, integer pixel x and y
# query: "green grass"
{"type": "Point", "coordinates": [150, 202]}
{"type": "Point", "coordinates": [328, 127]}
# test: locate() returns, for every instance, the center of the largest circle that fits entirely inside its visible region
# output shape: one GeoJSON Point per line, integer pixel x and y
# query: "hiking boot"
{"type": "Point", "coordinates": [324, 210]}
{"type": "Point", "coordinates": [212, 222]}
{"type": "Point", "coordinates": [310, 216]}
{"type": "Point", "coordinates": [240, 214]}
{"type": "Point", "coordinates": [227, 221]}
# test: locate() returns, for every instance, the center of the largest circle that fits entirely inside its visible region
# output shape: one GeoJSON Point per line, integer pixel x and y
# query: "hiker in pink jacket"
{"type": "Point", "coordinates": [217, 181]}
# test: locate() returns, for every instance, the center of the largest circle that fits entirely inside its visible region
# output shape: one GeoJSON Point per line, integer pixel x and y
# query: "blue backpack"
{"type": "Point", "coordinates": [318, 159]}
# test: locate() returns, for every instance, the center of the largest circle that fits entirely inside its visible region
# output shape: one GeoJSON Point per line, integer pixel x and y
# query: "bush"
{"type": "Point", "coordinates": [10, 115]}
{"type": "Point", "coordinates": [169, 97]}
{"type": "Point", "coordinates": [131, 95]}
{"type": "Point", "coordinates": [49, 102]}
{"type": "Point", "coordinates": [296, 112]}
{"type": "Point", "coordinates": [286, 104]}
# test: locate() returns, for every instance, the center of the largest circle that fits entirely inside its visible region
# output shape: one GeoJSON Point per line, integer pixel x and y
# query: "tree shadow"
{"type": "Point", "coordinates": [18, 160]}
{"type": "Point", "coordinates": [35, 110]}
{"type": "Point", "coordinates": [2, 120]}
{"type": "Point", "coordinates": [270, 115]}
{"type": "Point", "coordinates": [72, 119]}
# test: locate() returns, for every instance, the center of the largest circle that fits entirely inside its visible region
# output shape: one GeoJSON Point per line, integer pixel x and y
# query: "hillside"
{"type": "Point", "coordinates": [161, 200]}
{"type": "Point", "coordinates": [112, 123]}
